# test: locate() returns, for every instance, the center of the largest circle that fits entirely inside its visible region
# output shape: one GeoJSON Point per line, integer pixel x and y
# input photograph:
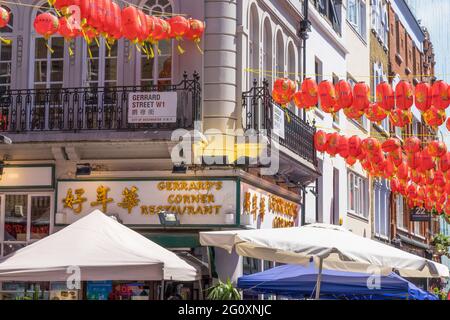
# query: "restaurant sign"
{"type": "Point", "coordinates": [263, 210]}
{"type": "Point", "coordinates": [152, 107]}
{"type": "Point", "coordinates": [208, 202]}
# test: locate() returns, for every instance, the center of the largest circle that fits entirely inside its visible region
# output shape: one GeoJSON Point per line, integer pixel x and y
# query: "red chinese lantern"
{"type": "Point", "coordinates": [67, 30]}
{"type": "Point", "coordinates": [46, 24]}
{"type": "Point", "coordinates": [413, 160]}
{"type": "Point", "coordinates": [447, 124]}
{"type": "Point", "coordinates": [375, 113]}
{"type": "Point", "coordinates": [395, 185]}
{"type": "Point", "coordinates": [416, 176]}
{"type": "Point", "coordinates": [195, 32]}
{"type": "Point", "coordinates": [412, 145]}
{"type": "Point", "coordinates": [426, 161]}
{"type": "Point", "coordinates": [327, 96]}
{"type": "Point", "coordinates": [298, 99]}
{"type": "Point", "coordinates": [404, 95]}
{"type": "Point", "coordinates": [423, 96]}
{"type": "Point", "coordinates": [412, 190]}
{"type": "Point", "coordinates": [283, 90]}
{"type": "Point", "coordinates": [131, 24]}
{"type": "Point", "coordinates": [367, 165]}
{"type": "Point", "coordinates": [163, 31]}
{"type": "Point", "coordinates": [353, 113]}
{"type": "Point", "coordinates": [396, 157]}
{"type": "Point", "coordinates": [116, 32]}
{"type": "Point", "coordinates": [391, 144]}
{"type": "Point", "coordinates": [344, 94]}
{"type": "Point", "coordinates": [400, 118]}
{"type": "Point", "coordinates": [437, 149]}
{"type": "Point", "coordinates": [434, 117]}
{"type": "Point", "coordinates": [403, 171]}
{"type": "Point", "coordinates": [370, 145]}
{"type": "Point", "coordinates": [343, 148]}
{"type": "Point", "coordinates": [354, 146]}
{"type": "Point", "coordinates": [385, 96]}
{"type": "Point", "coordinates": [320, 141]}
{"type": "Point", "coordinates": [444, 162]}
{"type": "Point", "coordinates": [440, 99]}
{"type": "Point", "coordinates": [350, 160]}
{"type": "Point", "coordinates": [447, 208]}
{"type": "Point", "coordinates": [361, 96]}
{"type": "Point", "coordinates": [179, 26]}
{"type": "Point", "coordinates": [332, 144]}
{"type": "Point", "coordinates": [4, 17]}
{"type": "Point", "coordinates": [389, 169]}
{"type": "Point", "coordinates": [439, 179]}
{"type": "Point", "coordinates": [310, 93]}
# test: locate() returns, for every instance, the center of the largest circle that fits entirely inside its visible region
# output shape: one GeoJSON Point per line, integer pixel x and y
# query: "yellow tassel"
{"type": "Point", "coordinates": [49, 48]}
{"type": "Point", "coordinates": [180, 49]}
{"type": "Point", "coordinates": [90, 53]}
{"type": "Point", "coordinates": [97, 42]}
{"type": "Point", "coordinates": [152, 53]}
{"type": "Point", "coordinates": [109, 48]}
{"type": "Point", "coordinates": [197, 42]}
{"type": "Point", "coordinates": [6, 41]}
{"type": "Point", "coordinates": [287, 114]}
{"type": "Point", "coordinates": [70, 51]}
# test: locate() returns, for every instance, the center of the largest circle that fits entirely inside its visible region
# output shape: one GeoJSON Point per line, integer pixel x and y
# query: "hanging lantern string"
{"type": "Point", "coordinates": [270, 73]}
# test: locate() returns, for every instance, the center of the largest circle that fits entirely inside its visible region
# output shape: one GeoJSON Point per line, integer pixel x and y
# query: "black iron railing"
{"type": "Point", "coordinates": [298, 134]}
{"type": "Point", "coordinates": [76, 109]}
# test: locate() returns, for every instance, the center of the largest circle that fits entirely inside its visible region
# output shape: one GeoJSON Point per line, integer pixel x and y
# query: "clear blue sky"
{"type": "Point", "coordinates": [435, 15]}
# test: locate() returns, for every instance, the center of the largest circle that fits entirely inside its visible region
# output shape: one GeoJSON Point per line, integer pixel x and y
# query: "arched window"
{"type": "Point", "coordinates": [291, 68]}
{"type": "Point", "coordinates": [253, 45]}
{"type": "Point", "coordinates": [6, 54]}
{"type": "Point", "coordinates": [280, 55]}
{"type": "Point", "coordinates": [268, 52]}
{"type": "Point", "coordinates": [157, 70]}
{"type": "Point", "coordinates": [48, 69]}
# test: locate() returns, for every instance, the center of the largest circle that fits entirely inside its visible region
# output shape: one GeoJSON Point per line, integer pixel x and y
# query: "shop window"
{"type": "Point", "coordinates": [357, 195]}
{"type": "Point", "coordinates": [382, 217]}
{"type": "Point", "coordinates": [157, 70]}
{"type": "Point", "coordinates": [6, 54]}
{"type": "Point", "coordinates": [26, 219]}
{"type": "Point", "coordinates": [250, 266]}
{"type": "Point", "coordinates": [400, 214]}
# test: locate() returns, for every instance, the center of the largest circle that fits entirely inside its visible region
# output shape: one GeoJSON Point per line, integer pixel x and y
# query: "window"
{"type": "Point", "coordinates": [250, 266]}
{"type": "Point", "coordinates": [6, 54]}
{"type": "Point", "coordinates": [291, 67]}
{"type": "Point", "coordinates": [356, 15]}
{"type": "Point", "coordinates": [102, 67]}
{"type": "Point", "coordinates": [381, 199]}
{"type": "Point", "coordinates": [26, 219]}
{"type": "Point", "coordinates": [48, 66]}
{"type": "Point", "coordinates": [397, 34]}
{"type": "Point", "coordinates": [334, 219]}
{"type": "Point", "coordinates": [400, 214]}
{"type": "Point", "coordinates": [380, 21]}
{"type": "Point", "coordinates": [318, 70]}
{"type": "Point", "coordinates": [280, 55]}
{"type": "Point", "coordinates": [357, 195]}
{"type": "Point", "coordinates": [267, 52]}
{"type": "Point", "coordinates": [331, 10]}
{"type": "Point", "coordinates": [253, 45]}
{"type": "Point", "coordinates": [159, 69]}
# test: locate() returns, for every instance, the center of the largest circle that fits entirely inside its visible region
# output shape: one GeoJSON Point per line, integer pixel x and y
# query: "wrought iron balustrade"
{"type": "Point", "coordinates": [258, 106]}
{"type": "Point", "coordinates": [92, 108]}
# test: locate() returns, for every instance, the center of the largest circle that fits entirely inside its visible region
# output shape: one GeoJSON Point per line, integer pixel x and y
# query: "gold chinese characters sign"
{"type": "Point", "coordinates": [139, 202]}
{"type": "Point", "coordinates": [264, 210]}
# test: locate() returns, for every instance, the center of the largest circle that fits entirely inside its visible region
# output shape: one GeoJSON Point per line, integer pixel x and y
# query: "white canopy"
{"type": "Point", "coordinates": [334, 246]}
{"type": "Point", "coordinates": [102, 248]}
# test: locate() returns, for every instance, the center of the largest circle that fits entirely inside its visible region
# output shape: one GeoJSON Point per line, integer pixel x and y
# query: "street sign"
{"type": "Point", "coordinates": [152, 107]}
{"type": "Point", "coordinates": [420, 215]}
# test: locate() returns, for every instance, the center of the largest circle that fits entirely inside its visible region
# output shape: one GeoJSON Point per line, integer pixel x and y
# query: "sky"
{"type": "Point", "coordinates": [435, 15]}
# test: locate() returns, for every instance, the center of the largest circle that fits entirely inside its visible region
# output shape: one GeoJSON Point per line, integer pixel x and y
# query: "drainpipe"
{"type": "Point", "coordinates": [304, 29]}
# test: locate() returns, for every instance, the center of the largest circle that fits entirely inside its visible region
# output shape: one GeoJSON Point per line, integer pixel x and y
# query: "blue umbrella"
{"type": "Point", "coordinates": [300, 282]}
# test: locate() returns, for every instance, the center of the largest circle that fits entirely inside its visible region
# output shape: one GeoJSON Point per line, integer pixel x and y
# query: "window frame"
{"type": "Point", "coordinates": [382, 210]}
{"type": "Point", "coordinates": [12, 35]}
{"type": "Point", "coordinates": [360, 185]}
{"type": "Point", "coordinates": [29, 195]}
{"type": "Point", "coordinates": [139, 55]}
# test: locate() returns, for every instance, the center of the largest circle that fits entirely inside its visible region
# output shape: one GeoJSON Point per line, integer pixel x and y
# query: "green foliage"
{"type": "Point", "coordinates": [223, 291]}
{"type": "Point", "coordinates": [440, 294]}
{"type": "Point", "coordinates": [441, 243]}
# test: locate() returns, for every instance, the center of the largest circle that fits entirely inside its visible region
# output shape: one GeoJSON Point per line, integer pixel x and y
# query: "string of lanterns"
{"type": "Point", "coordinates": [420, 175]}
{"type": "Point", "coordinates": [431, 100]}
{"type": "Point", "coordinates": [105, 18]}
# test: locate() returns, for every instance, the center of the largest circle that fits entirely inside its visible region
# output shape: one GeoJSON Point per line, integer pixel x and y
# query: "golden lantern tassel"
{"type": "Point", "coordinates": [109, 48]}
{"type": "Point", "coordinates": [97, 42]}
{"type": "Point", "coordinates": [49, 47]}
{"type": "Point", "coordinates": [70, 49]}
{"type": "Point", "coordinates": [152, 53]}
{"type": "Point", "coordinates": [287, 114]}
{"type": "Point", "coordinates": [197, 42]}
{"type": "Point", "coordinates": [6, 41]}
{"type": "Point", "coordinates": [180, 49]}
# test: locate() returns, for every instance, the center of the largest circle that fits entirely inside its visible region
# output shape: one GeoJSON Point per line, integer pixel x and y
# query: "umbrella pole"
{"type": "Point", "coordinates": [319, 279]}
{"type": "Point", "coordinates": [162, 290]}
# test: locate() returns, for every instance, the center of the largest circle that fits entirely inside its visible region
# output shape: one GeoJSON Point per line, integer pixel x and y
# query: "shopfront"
{"type": "Point", "coordinates": [170, 212]}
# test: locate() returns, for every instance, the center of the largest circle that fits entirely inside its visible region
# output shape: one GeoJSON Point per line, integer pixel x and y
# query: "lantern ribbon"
{"type": "Point", "coordinates": [179, 47]}
{"type": "Point", "coordinates": [5, 41]}
{"type": "Point", "coordinates": [197, 43]}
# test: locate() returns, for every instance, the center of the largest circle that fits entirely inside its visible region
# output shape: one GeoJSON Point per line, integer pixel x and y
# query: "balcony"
{"type": "Point", "coordinates": [75, 111]}
{"type": "Point", "coordinates": [298, 134]}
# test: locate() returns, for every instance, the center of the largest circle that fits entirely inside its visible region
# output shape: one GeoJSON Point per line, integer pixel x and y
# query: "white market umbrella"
{"type": "Point", "coordinates": [102, 248]}
{"type": "Point", "coordinates": [331, 247]}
